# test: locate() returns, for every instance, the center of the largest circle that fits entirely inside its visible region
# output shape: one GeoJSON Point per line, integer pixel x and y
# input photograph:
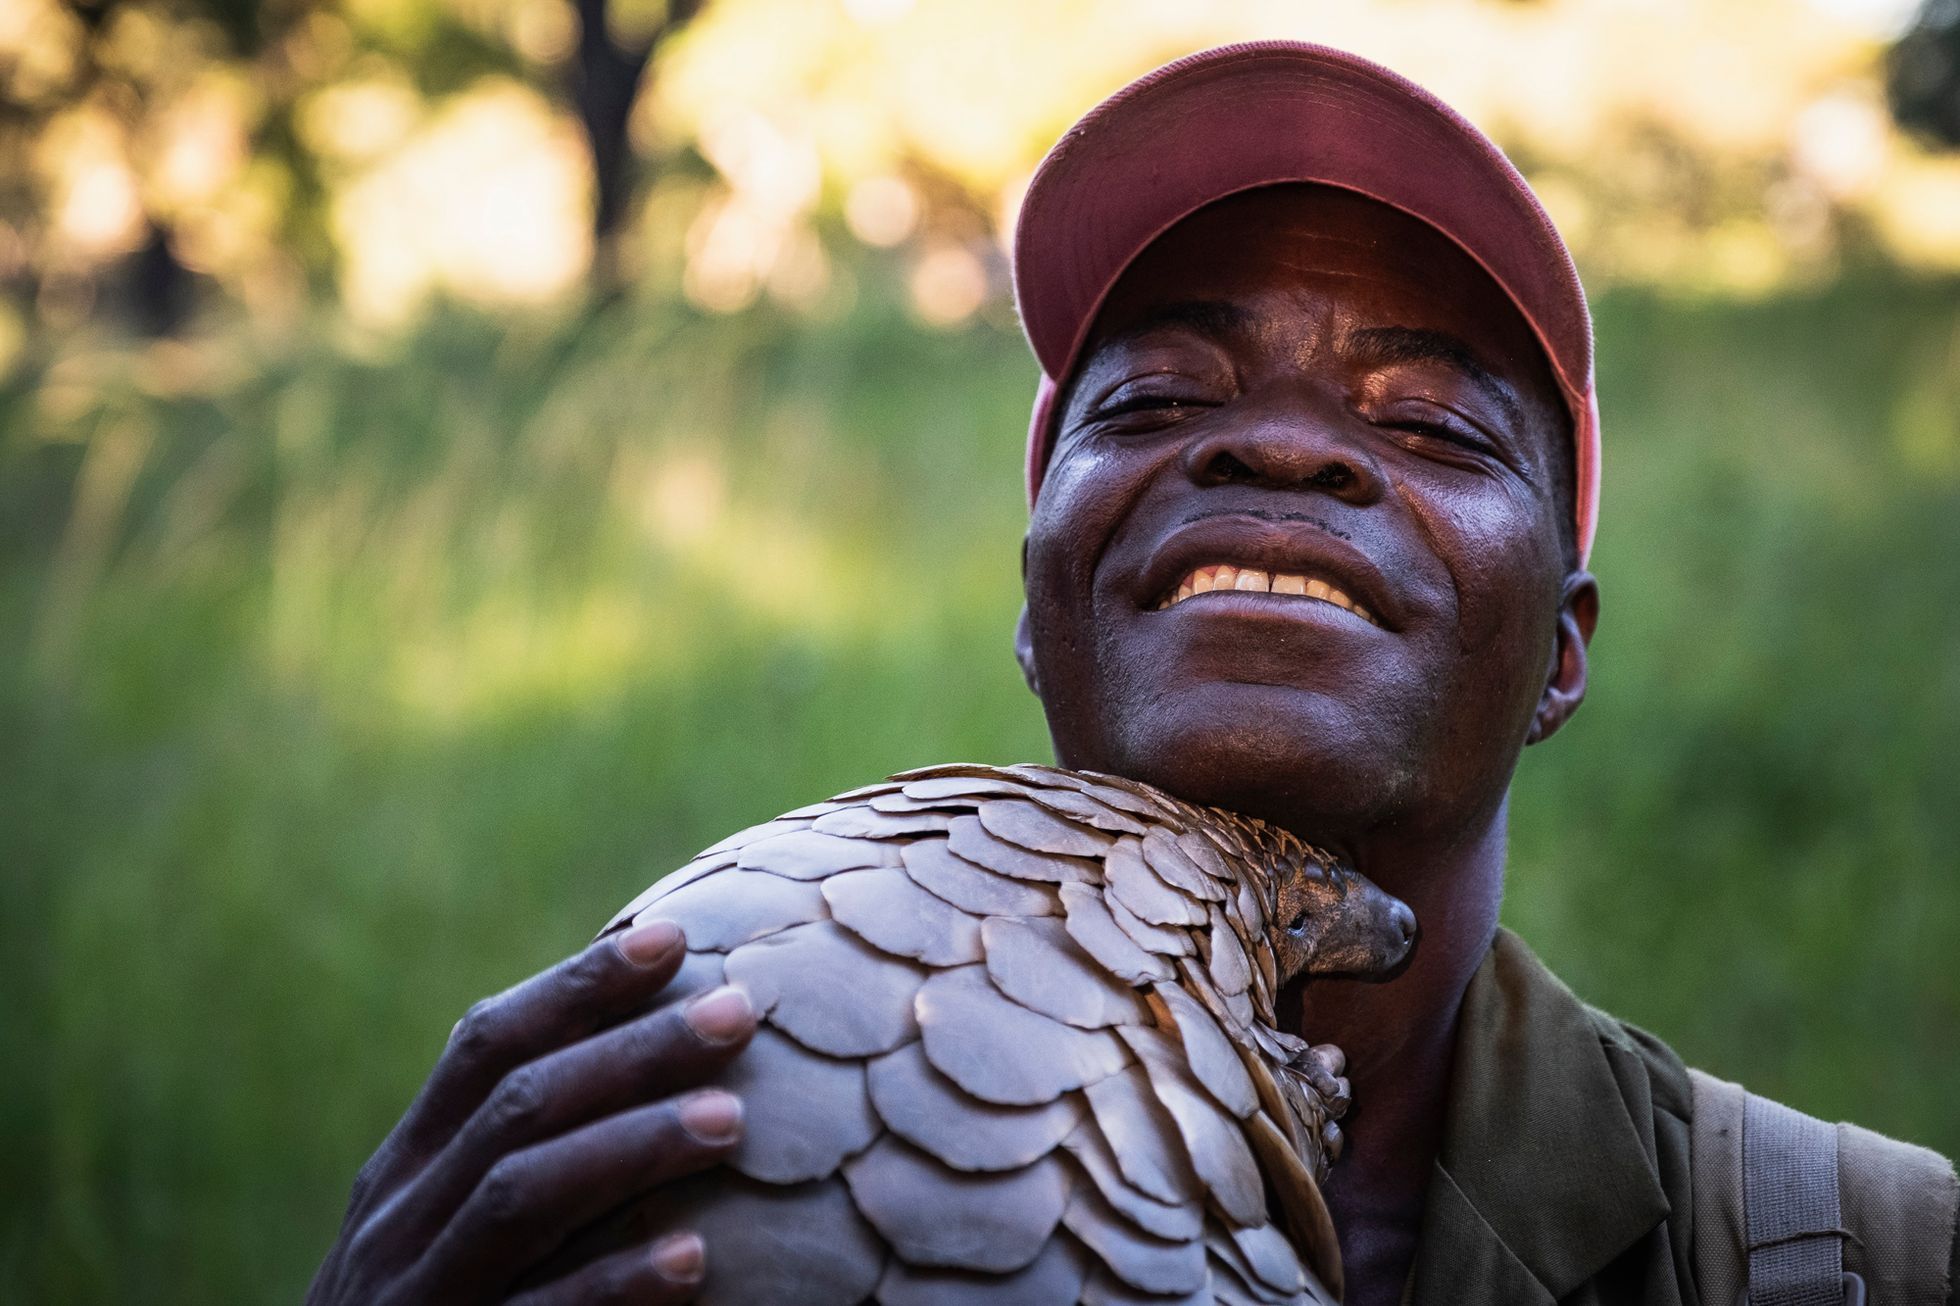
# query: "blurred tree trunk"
{"type": "Point", "coordinates": [151, 291]}
{"type": "Point", "coordinates": [606, 79]}
{"type": "Point", "coordinates": [1923, 74]}
{"type": "Point", "coordinates": [159, 286]}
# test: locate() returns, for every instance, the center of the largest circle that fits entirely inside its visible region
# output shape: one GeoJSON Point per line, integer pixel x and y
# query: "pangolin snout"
{"type": "Point", "coordinates": [1402, 931]}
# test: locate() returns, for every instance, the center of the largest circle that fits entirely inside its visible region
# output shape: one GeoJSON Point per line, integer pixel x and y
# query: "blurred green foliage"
{"type": "Point", "coordinates": [343, 689]}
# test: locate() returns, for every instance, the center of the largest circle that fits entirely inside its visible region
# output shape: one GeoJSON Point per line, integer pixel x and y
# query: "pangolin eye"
{"type": "Point", "coordinates": [1298, 924]}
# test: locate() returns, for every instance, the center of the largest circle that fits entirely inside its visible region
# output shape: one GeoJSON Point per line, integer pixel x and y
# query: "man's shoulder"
{"type": "Point", "coordinates": [1877, 1173]}
{"type": "Point", "coordinates": [1898, 1200]}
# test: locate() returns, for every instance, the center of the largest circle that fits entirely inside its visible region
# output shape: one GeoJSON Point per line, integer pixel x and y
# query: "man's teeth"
{"type": "Point", "coordinates": [1226, 577]}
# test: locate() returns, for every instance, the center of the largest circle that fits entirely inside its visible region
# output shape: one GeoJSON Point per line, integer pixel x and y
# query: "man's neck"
{"type": "Point", "coordinates": [1399, 1036]}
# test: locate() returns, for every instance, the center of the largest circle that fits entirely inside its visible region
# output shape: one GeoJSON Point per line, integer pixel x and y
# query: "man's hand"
{"type": "Point", "coordinates": [551, 1107]}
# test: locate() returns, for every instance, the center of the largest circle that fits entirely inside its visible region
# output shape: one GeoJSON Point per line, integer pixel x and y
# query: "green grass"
{"type": "Point", "coordinates": [347, 689]}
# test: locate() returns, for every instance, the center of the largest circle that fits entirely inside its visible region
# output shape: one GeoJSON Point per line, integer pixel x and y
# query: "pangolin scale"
{"type": "Point", "coordinates": [1019, 1044]}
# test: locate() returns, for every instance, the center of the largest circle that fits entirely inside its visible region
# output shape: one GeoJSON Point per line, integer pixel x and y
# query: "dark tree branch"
{"type": "Point", "coordinates": [1922, 74]}
{"type": "Point", "coordinates": [605, 82]}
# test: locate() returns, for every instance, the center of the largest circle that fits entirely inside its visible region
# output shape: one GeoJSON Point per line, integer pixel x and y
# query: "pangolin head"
{"type": "Point", "coordinates": [1329, 919]}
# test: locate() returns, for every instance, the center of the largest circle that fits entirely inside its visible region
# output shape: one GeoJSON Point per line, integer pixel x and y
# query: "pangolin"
{"type": "Point", "coordinates": [1018, 1044]}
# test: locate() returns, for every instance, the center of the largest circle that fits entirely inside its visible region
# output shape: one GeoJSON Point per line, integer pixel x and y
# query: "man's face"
{"type": "Point", "coordinates": [1313, 389]}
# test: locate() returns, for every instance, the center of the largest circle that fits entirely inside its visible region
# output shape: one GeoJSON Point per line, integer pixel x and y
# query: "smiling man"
{"type": "Point", "coordinates": [1311, 490]}
{"type": "Point", "coordinates": [1314, 475]}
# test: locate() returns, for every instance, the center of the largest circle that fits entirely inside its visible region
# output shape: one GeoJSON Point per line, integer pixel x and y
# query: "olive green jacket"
{"type": "Point", "coordinates": [1564, 1173]}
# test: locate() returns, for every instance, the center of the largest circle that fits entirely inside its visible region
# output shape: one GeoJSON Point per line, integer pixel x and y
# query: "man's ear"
{"type": "Point", "coordinates": [1565, 680]}
{"type": "Point", "coordinates": [1024, 650]}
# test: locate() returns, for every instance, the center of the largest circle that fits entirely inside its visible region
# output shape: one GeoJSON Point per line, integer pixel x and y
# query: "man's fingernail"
{"type": "Point", "coordinates": [679, 1259]}
{"type": "Point", "coordinates": [721, 1016]}
{"type": "Point", "coordinates": [645, 944]}
{"type": "Point", "coordinates": [712, 1116]}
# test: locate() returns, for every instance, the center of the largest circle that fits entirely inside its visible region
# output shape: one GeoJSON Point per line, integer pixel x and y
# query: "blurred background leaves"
{"type": "Point", "coordinates": [457, 457]}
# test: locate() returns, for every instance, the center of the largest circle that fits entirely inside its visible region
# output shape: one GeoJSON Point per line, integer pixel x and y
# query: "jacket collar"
{"type": "Point", "coordinates": [1543, 1178]}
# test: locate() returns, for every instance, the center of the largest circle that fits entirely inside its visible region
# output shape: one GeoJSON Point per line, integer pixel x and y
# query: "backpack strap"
{"type": "Point", "coordinates": [1888, 1213]}
{"type": "Point", "coordinates": [1790, 1205]}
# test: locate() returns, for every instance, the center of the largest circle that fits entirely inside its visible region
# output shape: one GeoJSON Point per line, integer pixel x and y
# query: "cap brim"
{"type": "Point", "coordinates": [1238, 117]}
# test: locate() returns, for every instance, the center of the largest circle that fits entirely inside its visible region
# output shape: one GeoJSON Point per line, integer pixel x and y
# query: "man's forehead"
{"type": "Point", "coordinates": [1391, 288]}
{"type": "Point", "coordinates": [1274, 235]}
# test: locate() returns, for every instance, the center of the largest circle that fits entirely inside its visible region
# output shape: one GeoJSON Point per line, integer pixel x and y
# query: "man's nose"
{"type": "Point", "coordinates": [1287, 446]}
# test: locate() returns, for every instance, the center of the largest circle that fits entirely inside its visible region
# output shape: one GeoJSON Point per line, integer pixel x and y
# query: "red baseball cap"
{"type": "Point", "coordinates": [1240, 116]}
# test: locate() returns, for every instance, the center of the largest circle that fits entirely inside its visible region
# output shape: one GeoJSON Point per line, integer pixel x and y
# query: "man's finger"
{"type": "Point", "coordinates": [668, 1271]}
{"type": "Point", "coordinates": [532, 1201]}
{"type": "Point", "coordinates": [667, 1050]}
{"type": "Point", "coordinates": [605, 983]}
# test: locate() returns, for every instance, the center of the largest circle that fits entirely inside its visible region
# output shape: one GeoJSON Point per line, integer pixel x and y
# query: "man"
{"type": "Point", "coordinates": [1314, 465]}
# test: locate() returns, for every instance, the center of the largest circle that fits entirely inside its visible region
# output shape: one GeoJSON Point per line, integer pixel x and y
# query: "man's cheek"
{"type": "Point", "coordinates": [1086, 497]}
{"type": "Point", "coordinates": [1081, 472]}
{"type": "Point", "coordinates": [1491, 549]}
{"type": "Point", "coordinates": [1505, 631]}
{"type": "Point", "coordinates": [1071, 526]}
{"type": "Point", "coordinates": [1095, 476]}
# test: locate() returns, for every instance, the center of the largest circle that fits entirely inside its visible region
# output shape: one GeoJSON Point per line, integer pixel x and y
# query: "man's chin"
{"type": "Point", "coordinates": [1303, 759]}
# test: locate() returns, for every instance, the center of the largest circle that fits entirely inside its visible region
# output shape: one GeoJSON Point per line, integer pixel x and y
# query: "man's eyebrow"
{"type": "Point", "coordinates": [1393, 344]}
{"type": "Point", "coordinates": [1214, 318]}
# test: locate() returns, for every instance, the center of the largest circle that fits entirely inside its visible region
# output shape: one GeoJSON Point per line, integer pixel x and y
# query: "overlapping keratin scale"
{"type": "Point", "coordinates": [1018, 1045]}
